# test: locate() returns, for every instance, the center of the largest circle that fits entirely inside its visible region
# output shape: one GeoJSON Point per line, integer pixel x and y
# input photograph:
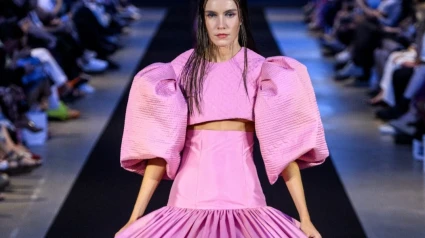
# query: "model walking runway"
{"type": "Point", "coordinates": [104, 193]}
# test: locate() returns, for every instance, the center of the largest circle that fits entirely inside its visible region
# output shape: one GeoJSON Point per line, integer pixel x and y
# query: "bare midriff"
{"type": "Point", "coordinates": [225, 125]}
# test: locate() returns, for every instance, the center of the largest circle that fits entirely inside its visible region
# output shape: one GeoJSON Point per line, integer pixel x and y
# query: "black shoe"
{"type": "Point", "coordinates": [4, 181]}
{"type": "Point", "coordinates": [379, 104]}
{"type": "Point", "coordinates": [112, 65]}
{"type": "Point", "coordinates": [340, 77]}
{"type": "Point", "coordinates": [340, 65]}
{"type": "Point", "coordinates": [373, 92]}
{"type": "Point", "coordinates": [389, 114]}
{"type": "Point", "coordinates": [402, 139]}
{"type": "Point", "coordinates": [30, 125]}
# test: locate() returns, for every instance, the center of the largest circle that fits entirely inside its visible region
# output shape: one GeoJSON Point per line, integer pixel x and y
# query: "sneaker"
{"type": "Point", "coordinates": [342, 57]}
{"type": "Point", "coordinates": [93, 65]}
{"type": "Point", "coordinates": [386, 129]}
{"type": "Point", "coordinates": [88, 54]}
{"type": "Point", "coordinates": [4, 165]}
{"type": "Point", "coordinates": [350, 70]}
{"type": "Point", "coordinates": [86, 88]}
{"type": "Point", "coordinates": [405, 123]}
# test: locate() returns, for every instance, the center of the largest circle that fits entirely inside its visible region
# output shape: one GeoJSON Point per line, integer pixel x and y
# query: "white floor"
{"type": "Point", "coordinates": [385, 185]}
{"type": "Point", "coordinates": [33, 200]}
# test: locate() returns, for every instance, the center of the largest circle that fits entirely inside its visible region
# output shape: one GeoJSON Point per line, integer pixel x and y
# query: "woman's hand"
{"type": "Point", "coordinates": [130, 222]}
{"type": "Point", "coordinates": [308, 228]}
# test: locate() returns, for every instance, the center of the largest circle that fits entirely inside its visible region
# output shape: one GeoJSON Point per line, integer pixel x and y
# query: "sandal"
{"type": "Point", "coordinates": [36, 158]}
{"type": "Point", "coordinates": [19, 164]}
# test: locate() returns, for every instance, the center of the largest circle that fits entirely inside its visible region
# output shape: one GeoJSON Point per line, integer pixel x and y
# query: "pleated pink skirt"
{"type": "Point", "coordinates": [216, 194]}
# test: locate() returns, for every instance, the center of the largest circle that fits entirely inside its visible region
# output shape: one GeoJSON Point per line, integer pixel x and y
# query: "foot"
{"type": "Point", "coordinates": [350, 70]}
{"type": "Point", "coordinates": [342, 57]}
{"type": "Point", "coordinates": [377, 99]}
{"type": "Point", "coordinates": [391, 113]}
{"type": "Point", "coordinates": [63, 113]}
{"type": "Point", "coordinates": [29, 125]}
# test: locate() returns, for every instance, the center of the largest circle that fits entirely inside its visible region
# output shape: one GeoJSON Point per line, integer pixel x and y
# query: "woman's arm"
{"type": "Point", "coordinates": [154, 172]}
{"type": "Point", "coordinates": [292, 176]}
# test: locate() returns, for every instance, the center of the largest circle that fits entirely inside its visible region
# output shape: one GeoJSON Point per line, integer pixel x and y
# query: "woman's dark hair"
{"type": "Point", "coordinates": [193, 73]}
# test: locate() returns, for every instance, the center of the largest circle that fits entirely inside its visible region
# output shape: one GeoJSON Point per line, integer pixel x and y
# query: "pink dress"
{"type": "Point", "coordinates": [216, 191]}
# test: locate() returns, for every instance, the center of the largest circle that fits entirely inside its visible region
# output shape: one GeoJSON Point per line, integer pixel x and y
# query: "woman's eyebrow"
{"type": "Point", "coordinates": [211, 11]}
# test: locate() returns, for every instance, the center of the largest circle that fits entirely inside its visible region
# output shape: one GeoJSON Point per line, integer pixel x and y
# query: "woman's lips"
{"type": "Point", "coordinates": [222, 36]}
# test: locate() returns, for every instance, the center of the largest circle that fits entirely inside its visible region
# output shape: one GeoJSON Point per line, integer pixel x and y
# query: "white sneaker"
{"type": "Point", "coordinates": [343, 56]}
{"type": "Point", "coordinates": [93, 65]}
{"type": "Point", "coordinates": [133, 12]}
{"type": "Point", "coordinates": [350, 70]}
{"type": "Point", "coordinates": [86, 88]}
{"type": "Point", "coordinates": [4, 165]}
{"type": "Point", "coordinates": [88, 54]}
{"type": "Point", "coordinates": [403, 122]}
{"type": "Point", "coordinates": [386, 129]}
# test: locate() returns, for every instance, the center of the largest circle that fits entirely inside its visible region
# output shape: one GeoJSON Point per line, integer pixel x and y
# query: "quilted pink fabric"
{"type": "Point", "coordinates": [287, 118]}
{"type": "Point", "coordinates": [155, 120]}
{"type": "Point", "coordinates": [280, 100]}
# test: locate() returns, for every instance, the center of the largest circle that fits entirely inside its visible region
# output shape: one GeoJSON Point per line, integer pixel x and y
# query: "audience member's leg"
{"type": "Point", "coordinates": [401, 78]}
{"type": "Point", "coordinates": [416, 82]}
{"type": "Point", "coordinates": [367, 39]}
{"type": "Point", "coordinates": [394, 61]}
{"type": "Point", "coordinates": [55, 71]}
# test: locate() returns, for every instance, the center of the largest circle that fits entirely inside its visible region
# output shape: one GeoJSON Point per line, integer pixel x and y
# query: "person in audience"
{"type": "Point", "coordinates": [386, 52]}
{"type": "Point", "coordinates": [44, 63]}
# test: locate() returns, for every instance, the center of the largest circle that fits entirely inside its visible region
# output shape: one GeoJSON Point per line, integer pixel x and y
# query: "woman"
{"type": "Point", "coordinates": [204, 104]}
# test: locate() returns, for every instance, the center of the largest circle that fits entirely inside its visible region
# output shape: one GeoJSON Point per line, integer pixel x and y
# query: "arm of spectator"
{"type": "Point", "coordinates": [43, 34]}
{"type": "Point", "coordinates": [362, 5]}
{"type": "Point", "coordinates": [366, 9]}
{"type": "Point", "coordinates": [58, 7]}
{"type": "Point", "coordinates": [391, 29]}
{"type": "Point", "coordinates": [391, 17]}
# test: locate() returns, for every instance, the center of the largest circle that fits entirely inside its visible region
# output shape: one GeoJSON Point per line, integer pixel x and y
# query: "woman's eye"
{"type": "Point", "coordinates": [210, 15]}
{"type": "Point", "coordinates": [230, 14]}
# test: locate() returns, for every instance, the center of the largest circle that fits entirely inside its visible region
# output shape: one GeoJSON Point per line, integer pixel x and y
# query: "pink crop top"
{"type": "Point", "coordinates": [280, 101]}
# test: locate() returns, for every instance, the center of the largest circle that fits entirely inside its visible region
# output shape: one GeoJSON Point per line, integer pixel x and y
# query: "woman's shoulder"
{"type": "Point", "coordinates": [254, 56]}
{"type": "Point", "coordinates": [182, 58]}
{"type": "Point", "coordinates": [180, 61]}
{"type": "Point", "coordinates": [254, 59]}
{"type": "Point", "coordinates": [160, 70]}
{"type": "Point", "coordinates": [255, 62]}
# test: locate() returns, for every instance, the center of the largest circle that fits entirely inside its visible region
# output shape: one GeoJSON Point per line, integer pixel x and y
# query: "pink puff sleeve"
{"type": "Point", "coordinates": [155, 120]}
{"type": "Point", "coordinates": [287, 118]}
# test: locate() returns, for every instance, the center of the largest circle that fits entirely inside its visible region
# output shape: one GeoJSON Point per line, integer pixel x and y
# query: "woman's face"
{"type": "Point", "coordinates": [222, 22]}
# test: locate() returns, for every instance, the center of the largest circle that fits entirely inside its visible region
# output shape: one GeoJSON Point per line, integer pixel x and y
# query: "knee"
{"type": "Point", "coordinates": [41, 53]}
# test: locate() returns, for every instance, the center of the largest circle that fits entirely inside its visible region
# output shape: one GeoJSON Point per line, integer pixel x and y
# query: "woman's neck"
{"type": "Point", "coordinates": [225, 53]}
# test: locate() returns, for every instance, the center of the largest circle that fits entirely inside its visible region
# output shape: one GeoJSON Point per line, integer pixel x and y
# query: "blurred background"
{"type": "Point", "coordinates": [65, 71]}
